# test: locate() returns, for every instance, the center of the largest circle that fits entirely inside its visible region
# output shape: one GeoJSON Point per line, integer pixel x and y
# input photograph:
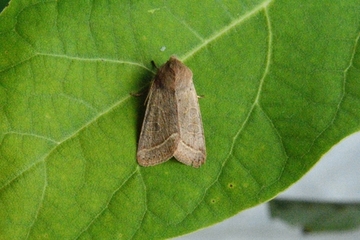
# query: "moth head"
{"type": "Point", "coordinates": [173, 74]}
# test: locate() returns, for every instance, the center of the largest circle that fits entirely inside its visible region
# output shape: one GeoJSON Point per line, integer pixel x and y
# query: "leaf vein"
{"type": "Point", "coordinates": [107, 204]}
{"type": "Point", "coordinates": [186, 25]}
{"type": "Point", "coordinates": [226, 29]}
{"type": "Point", "coordinates": [331, 122]}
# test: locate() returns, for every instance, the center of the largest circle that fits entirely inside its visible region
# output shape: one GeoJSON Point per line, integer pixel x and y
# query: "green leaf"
{"type": "Point", "coordinates": [317, 216]}
{"type": "Point", "coordinates": [281, 85]}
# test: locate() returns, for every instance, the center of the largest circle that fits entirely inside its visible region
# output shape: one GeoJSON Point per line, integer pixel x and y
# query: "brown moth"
{"type": "Point", "coordinates": [172, 124]}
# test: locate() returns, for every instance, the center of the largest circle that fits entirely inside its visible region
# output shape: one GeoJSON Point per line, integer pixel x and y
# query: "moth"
{"type": "Point", "coordinates": [172, 125]}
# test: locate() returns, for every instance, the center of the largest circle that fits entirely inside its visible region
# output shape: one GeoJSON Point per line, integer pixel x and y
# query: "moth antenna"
{"type": "Point", "coordinates": [154, 64]}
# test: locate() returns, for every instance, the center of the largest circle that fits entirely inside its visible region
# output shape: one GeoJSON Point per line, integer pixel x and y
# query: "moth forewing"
{"type": "Point", "coordinates": [172, 124]}
{"type": "Point", "coordinates": [159, 134]}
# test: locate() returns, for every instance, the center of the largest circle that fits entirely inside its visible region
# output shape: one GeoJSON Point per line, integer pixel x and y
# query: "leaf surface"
{"type": "Point", "coordinates": [281, 85]}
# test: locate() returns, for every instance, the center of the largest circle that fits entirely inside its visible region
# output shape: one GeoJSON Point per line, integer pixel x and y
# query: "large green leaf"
{"type": "Point", "coordinates": [281, 85]}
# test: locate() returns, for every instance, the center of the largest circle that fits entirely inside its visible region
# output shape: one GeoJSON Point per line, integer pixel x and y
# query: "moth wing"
{"type": "Point", "coordinates": [191, 148]}
{"type": "Point", "coordinates": [159, 134]}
